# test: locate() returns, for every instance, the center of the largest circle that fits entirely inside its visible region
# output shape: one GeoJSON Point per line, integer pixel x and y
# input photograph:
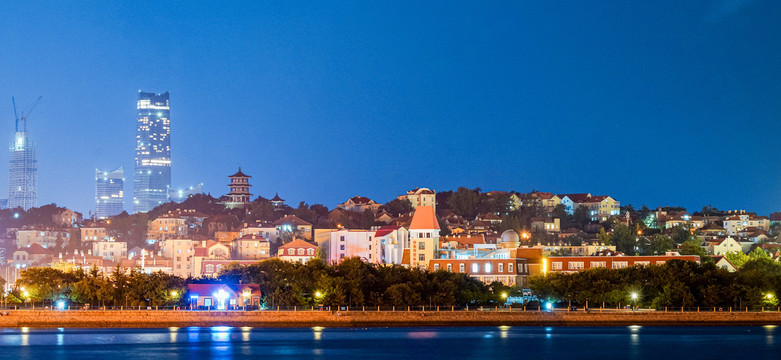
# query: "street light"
{"type": "Point", "coordinates": [318, 294]}
{"type": "Point", "coordinates": [174, 293]}
{"type": "Point", "coordinates": [634, 297]}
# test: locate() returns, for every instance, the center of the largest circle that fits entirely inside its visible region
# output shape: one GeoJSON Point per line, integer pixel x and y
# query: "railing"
{"type": "Point", "coordinates": [400, 309]}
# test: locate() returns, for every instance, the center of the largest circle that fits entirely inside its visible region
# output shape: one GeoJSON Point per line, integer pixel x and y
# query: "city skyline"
{"type": "Point", "coordinates": [652, 106]}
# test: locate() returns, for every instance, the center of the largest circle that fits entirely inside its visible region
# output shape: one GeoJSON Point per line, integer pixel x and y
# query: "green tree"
{"type": "Point", "coordinates": [465, 202]}
{"type": "Point", "coordinates": [625, 239]}
{"type": "Point", "coordinates": [398, 207]}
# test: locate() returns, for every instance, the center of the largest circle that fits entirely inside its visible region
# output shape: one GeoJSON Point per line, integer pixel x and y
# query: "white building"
{"type": "Point", "coordinates": [421, 197]}
{"type": "Point", "coordinates": [181, 252]}
{"type": "Point", "coordinates": [110, 250]}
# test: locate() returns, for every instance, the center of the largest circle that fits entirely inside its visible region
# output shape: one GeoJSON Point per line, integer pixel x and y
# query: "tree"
{"type": "Point", "coordinates": [625, 239]}
{"type": "Point", "coordinates": [465, 202]}
{"type": "Point", "coordinates": [656, 244]}
{"type": "Point", "coordinates": [581, 216]}
{"type": "Point", "coordinates": [397, 207]}
{"type": "Point", "coordinates": [693, 247]}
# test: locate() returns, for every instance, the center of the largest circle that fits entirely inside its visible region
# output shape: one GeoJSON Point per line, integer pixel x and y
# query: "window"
{"type": "Point", "coordinates": [450, 267]}
{"type": "Point", "coordinates": [310, 251]}
{"type": "Point", "coordinates": [500, 267]}
{"type": "Point", "coordinates": [596, 264]}
{"type": "Point", "coordinates": [341, 256]}
{"type": "Point", "coordinates": [422, 257]}
{"type": "Point", "coordinates": [620, 264]}
{"type": "Point", "coordinates": [643, 263]}
{"type": "Point", "coordinates": [341, 238]}
{"type": "Point", "coordinates": [207, 302]}
{"type": "Point", "coordinates": [300, 251]}
{"type": "Point", "coordinates": [209, 268]}
{"type": "Point", "coordinates": [487, 268]}
{"type": "Point", "coordinates": [475, 268]}
{"type": "Point", "coordinates": [341, 247]}
{"type": "Point", "coordinates": [436, 267]}
{"type": "Point", "coordinates": [461, 267]}
{"type": "Point", "coordinates": [422, 246]}
{"type": "Point", "coordinates": [555, 265]}
{"type": "Point", "coordinates": [510, 267]}
{"type": "Point", "coordinates": [291, 251]}
{"type": "Point", "coordinates": [575, 265]}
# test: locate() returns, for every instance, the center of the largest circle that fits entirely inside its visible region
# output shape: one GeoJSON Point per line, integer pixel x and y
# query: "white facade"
{"type": "Point", "coordinates": [181, 252]}
{"type": "Point", "coordinates": [110, 250]}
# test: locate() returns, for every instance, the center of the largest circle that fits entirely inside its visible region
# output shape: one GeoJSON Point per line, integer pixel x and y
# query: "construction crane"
{"type": "Point", "coordinates": [24, 114]}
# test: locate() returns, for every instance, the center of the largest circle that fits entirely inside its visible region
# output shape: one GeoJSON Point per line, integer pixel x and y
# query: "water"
{"type": "Point", "coordinates": [633, 342]}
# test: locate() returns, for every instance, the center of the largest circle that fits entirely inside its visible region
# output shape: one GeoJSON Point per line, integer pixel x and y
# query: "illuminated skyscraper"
{"type": "Point", "coordinates": [109, 192]}
{"type": "Point", "coordinates": [152, 176]}
{"type": "Point", "coordinates": [23, 170]}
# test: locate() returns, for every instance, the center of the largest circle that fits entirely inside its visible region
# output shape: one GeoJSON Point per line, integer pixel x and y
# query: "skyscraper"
{"type": "Point", "coordinates": [109, 192]}
{"type": "Point", "coordinates": [152, 176]}
{"type": "Point", "coordinates": [23, 169]}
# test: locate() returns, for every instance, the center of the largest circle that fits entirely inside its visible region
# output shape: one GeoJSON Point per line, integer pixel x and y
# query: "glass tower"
{"type": "Point", "coordinates": [109, 192]}
{"type": "Point", "coordinates": [152, 175]}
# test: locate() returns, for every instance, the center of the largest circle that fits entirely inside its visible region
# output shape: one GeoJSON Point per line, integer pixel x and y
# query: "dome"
{"type": "Point", "coordinates": [510, 236]}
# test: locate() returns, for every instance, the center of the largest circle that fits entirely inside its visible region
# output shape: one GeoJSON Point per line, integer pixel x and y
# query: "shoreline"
{"type": "Point", "coordinates": [299, 319]}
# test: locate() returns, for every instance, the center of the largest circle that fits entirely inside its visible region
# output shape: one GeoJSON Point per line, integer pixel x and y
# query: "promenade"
{"type": "Point", "coordinates": [359, 318]}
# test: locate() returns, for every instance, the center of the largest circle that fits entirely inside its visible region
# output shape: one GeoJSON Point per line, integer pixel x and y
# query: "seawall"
{"type": "Point", "coordinates": [169, 318]}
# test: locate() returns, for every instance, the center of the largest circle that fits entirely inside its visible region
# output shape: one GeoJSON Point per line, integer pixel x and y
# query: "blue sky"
{"type": "Point", "coordinates": [657, 103]}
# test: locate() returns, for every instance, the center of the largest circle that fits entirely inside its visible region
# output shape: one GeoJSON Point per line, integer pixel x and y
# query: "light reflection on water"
{"type": "Point", "coordinates": [386, 343]}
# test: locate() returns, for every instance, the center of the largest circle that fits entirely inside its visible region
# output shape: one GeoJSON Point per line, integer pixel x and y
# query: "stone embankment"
{"type": "Point", "coordinates": [169, 318]}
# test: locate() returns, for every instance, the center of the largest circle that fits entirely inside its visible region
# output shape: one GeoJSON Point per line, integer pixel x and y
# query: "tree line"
{"type": "Point", "coordinates": [677, 283]}
{"type": "Point", "coordinates": [350, 283]}
{"type": "Point", "coordinates": [47, 285]}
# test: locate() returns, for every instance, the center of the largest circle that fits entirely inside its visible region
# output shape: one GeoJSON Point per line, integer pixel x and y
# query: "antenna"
{"type": "Point", "coordinates": [15, 115]}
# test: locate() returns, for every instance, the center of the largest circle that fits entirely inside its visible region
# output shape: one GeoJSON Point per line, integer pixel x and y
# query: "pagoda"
{"type": "Point", "coordinates": [239, 194]}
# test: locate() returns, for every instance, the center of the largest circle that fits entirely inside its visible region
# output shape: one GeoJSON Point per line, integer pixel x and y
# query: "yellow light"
{"type": "Point", "coordinates": [174, 293]}
{"type": "Point", "coordinates": [26, 294]}
{"type": "Point", "coordinates": [318, 294]}
{"type": "Point", "coordinates": [769, 296]}
{"type": "Point", "coordinates": [504, 295]}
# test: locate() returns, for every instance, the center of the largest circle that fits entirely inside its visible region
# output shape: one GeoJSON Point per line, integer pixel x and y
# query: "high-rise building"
{"type": "Point", "coordinates": [152, 176]}
{"type": "Point", "coordinates": [23, 169]}
{"type": "Point", "coordinates": [109, 192]}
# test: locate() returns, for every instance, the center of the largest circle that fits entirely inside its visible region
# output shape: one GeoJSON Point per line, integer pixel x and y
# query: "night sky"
{"type": "Point", "coordinates": [651, 102]}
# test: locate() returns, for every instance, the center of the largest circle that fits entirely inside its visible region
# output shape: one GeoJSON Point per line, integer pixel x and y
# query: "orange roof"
{"type": "Point", "coordinates": [424, 219]}
{"type": "Point", "coordinates": [297, 243]}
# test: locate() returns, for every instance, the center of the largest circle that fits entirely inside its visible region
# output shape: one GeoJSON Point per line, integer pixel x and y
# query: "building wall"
{"type": "Point", "coordinates": [510, 272]}
{"type": "Point", "coordinates": [110, 250]}
{"type": "Point", "coordinates": [181, 253]}
{"type": "Point", "coordinates": [578, 263]}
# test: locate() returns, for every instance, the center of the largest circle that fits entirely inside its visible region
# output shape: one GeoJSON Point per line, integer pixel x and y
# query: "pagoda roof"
{"type": "Point", "coordinates": [239, 174]}
{"type": "Point", "coordinates": [277, 198]}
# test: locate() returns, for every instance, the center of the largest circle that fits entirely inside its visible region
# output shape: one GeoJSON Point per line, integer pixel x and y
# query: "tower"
{"type": "Point", "coordinates": [239, 190]}
{"type": "Point", "coordinates": [23, 166]}
{"type": "Point", "coordinates": [109, 192]}
{"type": "Point", "coordinates": [152, 175]}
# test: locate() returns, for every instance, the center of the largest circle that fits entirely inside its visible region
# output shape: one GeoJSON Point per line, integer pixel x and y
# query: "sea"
{"type": "Point", "coordinates": [498, 342]}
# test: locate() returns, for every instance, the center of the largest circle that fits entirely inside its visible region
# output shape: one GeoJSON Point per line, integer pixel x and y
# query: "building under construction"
{"type": "Point", "coordinates": [23, 169]}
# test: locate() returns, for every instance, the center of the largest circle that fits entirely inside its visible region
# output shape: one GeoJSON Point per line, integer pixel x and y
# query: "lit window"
{"type": "Point", "coordinates": [475, 268]}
